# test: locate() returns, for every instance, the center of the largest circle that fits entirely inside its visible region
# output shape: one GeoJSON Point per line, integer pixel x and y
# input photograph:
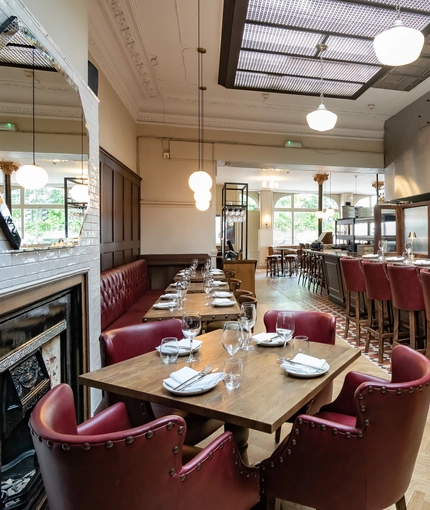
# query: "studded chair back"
{"type": "Point", "coordinates": [358, 452]}
{"type": "Point", "coordinates": [104, 464]}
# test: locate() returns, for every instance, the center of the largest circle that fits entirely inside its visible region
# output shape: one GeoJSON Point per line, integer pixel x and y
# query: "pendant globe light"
{"type": "Point", "coordinates": [399, 45]}
{"type": "Point", "coordinates": [32, 176]}
{"type": "Point", "coordinates": [321, 119]}
{"type": "Point", "coordinates": [200, 181]}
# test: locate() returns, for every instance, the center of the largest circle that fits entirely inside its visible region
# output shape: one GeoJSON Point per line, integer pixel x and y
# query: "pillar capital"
{"type": "Point", "coordinates": [320, 178]}
{"type": "Point", "coordinates": [7, 167]}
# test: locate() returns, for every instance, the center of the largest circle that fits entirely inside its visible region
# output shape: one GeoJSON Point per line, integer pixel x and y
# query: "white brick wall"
{"type": "Point", "coordinates": [23, 269]}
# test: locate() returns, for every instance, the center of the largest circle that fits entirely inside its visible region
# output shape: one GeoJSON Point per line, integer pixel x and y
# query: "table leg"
{"type": "Point", "coordinates": [241, 435]}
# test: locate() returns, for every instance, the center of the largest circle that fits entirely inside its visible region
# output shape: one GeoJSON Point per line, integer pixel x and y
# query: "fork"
{"type": "Point", "coordinates": [194, 378]}
{"type": "Point", "coordinates": [288, 360]}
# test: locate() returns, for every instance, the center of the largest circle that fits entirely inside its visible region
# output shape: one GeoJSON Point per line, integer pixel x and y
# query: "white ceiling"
{"type": "Point", "coordinates": [147, 50]}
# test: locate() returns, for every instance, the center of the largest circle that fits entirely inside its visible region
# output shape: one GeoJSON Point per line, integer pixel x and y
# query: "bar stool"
{"type": "Point", "coordinates": [407, 292]}
{"type": "Point", "coordinates": [272, 266]}
{"type": "Point", "coordinates": [353, 281]}
{"type": "Point", "coordinates": [425, 281]}
{"type": "Point", "coordinates": [290, 261]}
{"type": "Point", "coordinates": [378, 290]}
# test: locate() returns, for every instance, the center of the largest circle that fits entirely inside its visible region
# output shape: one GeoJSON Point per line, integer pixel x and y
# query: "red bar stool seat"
{"type": "Point", "coordinates": [354, 285]}
{"type": "Point", "coordinates": [378, 290]}
{"type": "Point", "coordinates": [407, 293]}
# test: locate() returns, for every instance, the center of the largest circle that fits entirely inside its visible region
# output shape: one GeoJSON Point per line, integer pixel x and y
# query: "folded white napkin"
{"type": "Point", "coordinates": [222, 301]}
{"type": "Point", "coordinates": [182, 375]}
{"type": "Point", "coordinates": [162, 306]}
{"type": "Point", "coordinates": [184, 344]}
{"type": "Point", "coordinates": [219, 284]}
{"type": "Point", "coordinates": [263, 337]}
{"type": "Point", "coordinates": [311, 361]}
{"type": "Point", "coordinates": [370, 256]}
{"type": "Point", "coordinates": [217, 271]}
{"type": "Point", "coordinates": [222, 294]}
{"type": "Point", "coordinates": [170, 295]}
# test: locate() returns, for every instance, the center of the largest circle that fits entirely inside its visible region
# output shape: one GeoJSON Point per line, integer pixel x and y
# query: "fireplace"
{"type": "Point", "coordinates": [42, 343]}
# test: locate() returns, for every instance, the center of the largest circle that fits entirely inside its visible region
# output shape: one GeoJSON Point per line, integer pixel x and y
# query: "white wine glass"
{"type": "Point", "coordinates": [208, 286]}
{"type": "Point", "coordinates": [232, 337]}
{"type": "Point", "coordinates": [191, 326]}
{"type": "Point", "coordinates": [285, 327]}
{"type": "Point", "coordinates": [247, 316]}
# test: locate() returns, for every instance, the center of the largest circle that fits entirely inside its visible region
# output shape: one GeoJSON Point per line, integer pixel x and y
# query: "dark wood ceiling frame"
{"type": "Point", "coordinates": [234, 19]}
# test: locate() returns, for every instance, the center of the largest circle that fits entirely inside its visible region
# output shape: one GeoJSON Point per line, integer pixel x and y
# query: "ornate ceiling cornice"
{"type": "Point", "coordinates": [255, 126]}
{"type": "Point", "coordinates": [117, 11]}
{"type": "Point", "coordinates": [41, 111]}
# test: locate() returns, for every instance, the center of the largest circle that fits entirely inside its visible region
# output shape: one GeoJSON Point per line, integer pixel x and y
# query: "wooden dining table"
{"type": "Point", "coordinates": [266, 398]}
{"type": "Point", "coordinates": [198, 277]}
{"type": "Point", "coordinates": [195, 302]}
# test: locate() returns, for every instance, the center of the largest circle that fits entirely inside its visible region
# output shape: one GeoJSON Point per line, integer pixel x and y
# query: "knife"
{"type": "Point", "coordinates": [198, 378]}
{"type": "Point", "coordinates": [195, 377]}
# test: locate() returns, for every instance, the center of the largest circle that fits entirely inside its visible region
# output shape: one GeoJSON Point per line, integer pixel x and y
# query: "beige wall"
{"type": "Point", "coordinates": [117, 127]}
{"type": "Point", "coordinates": [66, 23]}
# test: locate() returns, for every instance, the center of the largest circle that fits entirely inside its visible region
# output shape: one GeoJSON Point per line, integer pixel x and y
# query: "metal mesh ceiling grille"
{"type": "Point", "coordinates": [258, 81]}
{"type": "Point", "coordinates": [277, 48]}
{"type": "Point", "coordinates": [282, 64]}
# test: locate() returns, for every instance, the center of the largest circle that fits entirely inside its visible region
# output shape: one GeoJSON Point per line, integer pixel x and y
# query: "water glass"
{"type": "Point", "coordinates": [173, 303]}
{"type": "Point", "coordinates": [406, 258]}
{"type": "Point", "coordinates": [191, 326]}
{"type": "Point", "coordinates": [169, 349]}
{"type": "Point", "coordinates": [233, 373]}
{"type": "Point", "coordinates": [247, 317]}
{"type": "Point", "coordinates": [285, 328]}
{"type": "Point", "coordinates": [300, 345]}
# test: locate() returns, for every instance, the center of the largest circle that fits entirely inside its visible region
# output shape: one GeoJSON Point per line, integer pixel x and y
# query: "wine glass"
{"type": "Point", "coordinates": [247, 317]}
{"type": "Point", "coordinates": [408, 248]}
{"type": "Point", "coordinates": [232, 337]}
{"type": "Point", "coordinates": [181, 290]}
{"type": "Point", "coordinates": [383, 245]}
{"type": "Point", "coordinates": [208, 286]}
{"type": "Point", "coordinates": [191, 326]}
{"type": "Point", "coordinates": [285, 327]}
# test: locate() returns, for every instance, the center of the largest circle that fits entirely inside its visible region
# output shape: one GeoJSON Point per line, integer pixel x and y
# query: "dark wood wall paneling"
{"type": "Point", "coordinates": [119, 213]}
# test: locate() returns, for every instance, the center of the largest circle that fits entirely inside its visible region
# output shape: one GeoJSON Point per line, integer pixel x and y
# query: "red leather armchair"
{"type": "Point", "coordinates": [105, 465]}
{"type": "Point", "coordinates": [318, 327]}
{"type": "Point", "coordinates": [357, 453]}
{"type": "Point", "coordinates": [130, 341]}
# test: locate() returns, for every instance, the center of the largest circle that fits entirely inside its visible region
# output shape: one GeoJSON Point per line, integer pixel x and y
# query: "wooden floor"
{"type": "Point", "coordinates": [286, 294]}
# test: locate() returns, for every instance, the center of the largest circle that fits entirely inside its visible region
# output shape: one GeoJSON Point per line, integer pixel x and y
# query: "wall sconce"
{"type": "Point", "coordinates": [266, 220]}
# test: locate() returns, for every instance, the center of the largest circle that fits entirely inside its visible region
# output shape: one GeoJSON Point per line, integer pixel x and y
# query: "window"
{"type": "Point", "coordinates": [295, 221]}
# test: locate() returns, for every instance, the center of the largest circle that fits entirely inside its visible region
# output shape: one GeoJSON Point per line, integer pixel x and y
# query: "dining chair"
{"type": "Point", "coordinates": [131, 341]}
{"type": "Point", "coordinates": [106, 464]}
{"type": "Point", "coordinates": [378, 291]}
{"type": "Point", "coordinates": [425, 282]}
{"type": "Point", "coordinates": [242, 292]}
{"type": "Point", "coordinates": [234, 284]}
{"type": "Point", "coordinates": [355, 287]}
{"type": "Point", "coordinates": [318, 327]}
{"type": "Point", "coordinates": [359, 452]}
{"type": "Point", "coordinates": [407, 292]}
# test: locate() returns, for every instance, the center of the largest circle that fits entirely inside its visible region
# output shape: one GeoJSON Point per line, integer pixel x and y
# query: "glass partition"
{"type": "Point", "coordinates": [416, 226]}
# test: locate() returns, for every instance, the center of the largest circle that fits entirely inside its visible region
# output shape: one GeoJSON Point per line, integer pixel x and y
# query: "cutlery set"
{"type": "Point", "coordinates": [206, 371]}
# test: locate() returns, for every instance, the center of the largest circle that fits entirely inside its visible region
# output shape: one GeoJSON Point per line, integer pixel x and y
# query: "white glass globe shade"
{"type": "Point", "coordinates": [32, 177]}
{"type": "Point", "coordinates": [321, 119]}
{"type": "Point", "coordinates": [202, 196]}
{"type": "Point", "coordinates": [79, 192]}
{"type": "Point", "coordinates": [330, 212]}
{"type": "Point", "coordinates": [319, 214]}
{"type": "Point", "coordinates": [399, 45]}
{"type": "Point", "coordinates": [201, 205]}
{"type": "Point", "coordinates": [200, 181]}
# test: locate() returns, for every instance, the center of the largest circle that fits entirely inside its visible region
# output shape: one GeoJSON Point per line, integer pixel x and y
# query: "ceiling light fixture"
{"type": "Point", "coordinates": [321, 119]}
{"type": "Point", "coordinates": [200, 181]}
{"type": "Point", "coordinates": [399, 45]}
{"type": "Point", "coordinates": [32, 176]}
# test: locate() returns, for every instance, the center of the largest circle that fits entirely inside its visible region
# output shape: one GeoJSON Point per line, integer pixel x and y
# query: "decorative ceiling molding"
{"type": "Point", "coordinates": [256, 127]}
{"type": "Point", "coordinates": [41, 87]}
{"type": "Point", "coordinates": [94, 47]}
{"type": "Point", "coordinates": [119, 14]}
{"type": "Point", "coordinates": [46, 112]}
{"type": "Point", "coordinates": [270, 107]}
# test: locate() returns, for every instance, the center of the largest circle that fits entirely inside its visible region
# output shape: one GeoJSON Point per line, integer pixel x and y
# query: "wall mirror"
{"type": "Point", "coordinates": [40, 118]}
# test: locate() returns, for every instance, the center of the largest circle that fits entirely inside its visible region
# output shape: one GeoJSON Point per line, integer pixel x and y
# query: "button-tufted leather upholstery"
{"type": "Point", "coordinates": [126, 295]}
{"type": "Point", "coordinates": [104, 464]}
{"type": "Point", "coordinates": [359, 452]}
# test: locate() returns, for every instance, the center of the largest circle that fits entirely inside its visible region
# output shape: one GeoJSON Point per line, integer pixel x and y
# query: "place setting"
{"type": "Point", "coordinates": [221, 302]}
{"type": "Point", "coordinates": [297, 362]}
{"type": "Point", "coordinates": [188, 382]}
